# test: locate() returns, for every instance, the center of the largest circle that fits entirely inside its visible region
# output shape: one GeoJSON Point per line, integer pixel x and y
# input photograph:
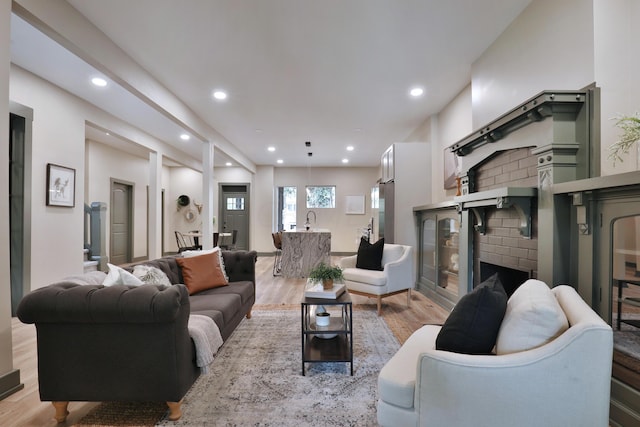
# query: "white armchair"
{"type": "Point", "coordinates": [396, 276]}
{"type": "Point", "coordinates": [565, 382]}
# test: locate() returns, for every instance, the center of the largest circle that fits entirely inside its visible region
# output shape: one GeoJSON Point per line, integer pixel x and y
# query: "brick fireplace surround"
{"type": "Point", "coordinates": [502, 244]}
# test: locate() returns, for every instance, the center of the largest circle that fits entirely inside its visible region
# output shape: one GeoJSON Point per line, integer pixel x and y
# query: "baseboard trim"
{"type": "Point", "coordinates": [10, 383]}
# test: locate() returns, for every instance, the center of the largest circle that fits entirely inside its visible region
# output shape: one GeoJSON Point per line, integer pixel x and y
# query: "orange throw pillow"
{"type": "Point", "coordinates": [202, 272]}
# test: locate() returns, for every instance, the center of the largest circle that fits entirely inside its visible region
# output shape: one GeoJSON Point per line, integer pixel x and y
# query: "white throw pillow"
{"type": "Point", "coordinates": [533, 318]}
{"type": "Point", "coordinates": [120, 276]}
{"type": "Point", "coordinates": [151, 275]}
{"type": "Point", "coordinates": [187, 254]}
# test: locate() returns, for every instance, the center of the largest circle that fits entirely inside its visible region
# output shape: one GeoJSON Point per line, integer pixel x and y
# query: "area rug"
{"type": "Point", "coordinates": [130, 414]}
{"type": "Point", "coordinates": [256, 378]}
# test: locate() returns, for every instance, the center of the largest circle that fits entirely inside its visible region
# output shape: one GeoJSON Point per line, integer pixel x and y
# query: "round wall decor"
{"type": "Point", "coordinates": [183, 201]}
{"type": "Point", "coordinates": [190, 215]}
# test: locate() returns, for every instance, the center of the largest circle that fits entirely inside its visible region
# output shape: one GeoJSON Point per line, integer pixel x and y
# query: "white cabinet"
{"type": "Point", "coordinates": [406, 175]}
{"type": "Point", "coordinates": [388, 165]}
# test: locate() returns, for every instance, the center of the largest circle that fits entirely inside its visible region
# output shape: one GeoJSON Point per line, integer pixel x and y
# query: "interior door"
{"type": "Point", "coordinates": [16, 208]}
{"type": "Point", "coordinates": [234, 211]}
{"type": "Point", "coordinates": [121, 215]}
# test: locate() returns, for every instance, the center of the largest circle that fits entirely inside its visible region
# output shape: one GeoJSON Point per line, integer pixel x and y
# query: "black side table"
{"type": "Point", "coordinates": [316, 345]}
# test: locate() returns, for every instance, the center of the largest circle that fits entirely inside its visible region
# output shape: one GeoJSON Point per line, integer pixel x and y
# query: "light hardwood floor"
{"type": "Point", "coordinates": [25, 409]}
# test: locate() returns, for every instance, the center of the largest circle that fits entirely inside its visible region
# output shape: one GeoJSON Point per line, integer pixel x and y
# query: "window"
{"type": "Point", "coordinates": [235, 203]}
{"type": "Point", "coordinates": [321, 196]}
{"type": "Point", "coordinates": [375, 198]}
{"type": "Point", "coordinates": [287, 197]}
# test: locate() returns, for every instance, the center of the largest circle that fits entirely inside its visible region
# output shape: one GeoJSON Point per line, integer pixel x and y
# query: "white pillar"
{"type": "Point", "coordinates": [154, 227]}
{"type": "Point", "coordinates": [9, 377]}
{"type": "Point", "coordinates": [207, 195]}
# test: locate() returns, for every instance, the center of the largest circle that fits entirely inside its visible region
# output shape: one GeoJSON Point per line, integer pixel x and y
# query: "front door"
{"type": "Point", "coordinates": [234, 212]}
{"type": "Point", "coordinates": [121, 229]}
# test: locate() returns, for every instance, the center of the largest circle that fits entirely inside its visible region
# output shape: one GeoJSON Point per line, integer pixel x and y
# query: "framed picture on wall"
{"type": "Point", "coordinates": [354, 205]}
{"type": "Point", "coordinates": [61, 186]}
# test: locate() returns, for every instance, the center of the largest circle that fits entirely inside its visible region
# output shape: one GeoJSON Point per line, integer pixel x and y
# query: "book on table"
{"type": "Point", "coordinates": [315, 290]}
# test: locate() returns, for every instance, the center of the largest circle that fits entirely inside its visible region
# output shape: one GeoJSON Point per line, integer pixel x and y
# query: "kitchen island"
{"type": "Point", "coordinates": [303, 250]}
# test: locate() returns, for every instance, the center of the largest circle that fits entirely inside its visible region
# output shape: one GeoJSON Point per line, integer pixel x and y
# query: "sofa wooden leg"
{"type": "Point", "coordinates": [408, 297]}
{"type": "Point", "coordinates": [379, 305]}
{"type": "Point", "coordinates": [175, 410]}
{"type": "Point", "coordinates": [61, 411]}
{"type": "Point", "coordinates": [249, 315]}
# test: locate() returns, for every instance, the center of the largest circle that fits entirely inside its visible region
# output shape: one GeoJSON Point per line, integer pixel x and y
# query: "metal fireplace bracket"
{"type": "Point", "coordinates": [501, 198]}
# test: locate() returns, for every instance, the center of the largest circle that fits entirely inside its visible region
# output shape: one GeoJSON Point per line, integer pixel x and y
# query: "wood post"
{"type": "Point", "coordinates": [61, 411]}
{"type": "Point", "coordinates": [175, 410]}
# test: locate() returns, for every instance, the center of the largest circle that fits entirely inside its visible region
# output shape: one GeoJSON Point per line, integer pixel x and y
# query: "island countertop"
{"type": "Point", "coordinates": [302, 250]}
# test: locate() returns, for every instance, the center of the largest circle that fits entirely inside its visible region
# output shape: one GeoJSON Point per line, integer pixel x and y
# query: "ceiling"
{"type": "Point", "coordinates": [334, 73]}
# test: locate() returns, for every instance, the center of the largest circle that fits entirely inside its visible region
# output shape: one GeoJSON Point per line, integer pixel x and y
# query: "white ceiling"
{"type": "Point", "coordinates": [332, 72]}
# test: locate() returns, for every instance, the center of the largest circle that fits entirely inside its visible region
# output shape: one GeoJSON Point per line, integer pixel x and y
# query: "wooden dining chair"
{"type": "Point", "coordinates": [184, 244]}
{"type": "Point", "coordinates": [224, 244]}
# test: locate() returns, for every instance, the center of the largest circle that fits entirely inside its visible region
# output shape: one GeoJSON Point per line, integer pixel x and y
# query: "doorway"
{"type": "Point", "coordinates": [234, 212]}
{"type": "Point", "coordinates": [121, 224]}
{"type": "Point", "coordinates": [17, 131]}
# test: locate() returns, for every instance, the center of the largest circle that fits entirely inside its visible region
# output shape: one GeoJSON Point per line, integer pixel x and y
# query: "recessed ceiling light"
{"type": "Point", "coordinates": [228, 164]}
{"type": "Point", "coordinates": [416, 91]}
{"type": "Point", "coordinates": [185, 137]}
{"type": "Point", "coordinates": [99, 81]}
{"type": "Point", "coordinates": [219, 95]}
{"type": "Point", "coordinates": [345, 160]}
{"type": "Point", "coordinates": [271, 148]}
{"type": "Point", "coordinates": [350, 148]}
{"type": "Point", "coordinates": [107, 133]}
{"type": "Point", "coordinates": [280, 161]}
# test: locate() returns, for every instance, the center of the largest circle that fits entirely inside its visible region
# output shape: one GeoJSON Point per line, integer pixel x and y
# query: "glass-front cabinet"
{"type": "Point", "coordinates": [438, 228]}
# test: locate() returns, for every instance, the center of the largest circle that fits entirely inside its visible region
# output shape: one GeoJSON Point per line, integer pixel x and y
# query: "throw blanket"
{"type": "Point", "coordinates": [207, 339]}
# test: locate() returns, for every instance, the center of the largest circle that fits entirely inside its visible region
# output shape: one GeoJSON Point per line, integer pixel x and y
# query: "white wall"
{"type": "Point", "coordinates": [105, 163]}
{"type": "Point", "coordinates": [188, 182]}
{"type": "Point", "coordinates": [348, 182]}
{"type": "Point", "coordinates": [549, 46]}
{"type": "Point", "coordinates": [263, 209]}
{"type": "Point", "coordinates": [58, 137]}
{"type": "Point", "coordinates": [454, 123]}
{"type": "Point", "coordinates": [412, 188]}
{"type": "Point", "coordinates": [617, 60]}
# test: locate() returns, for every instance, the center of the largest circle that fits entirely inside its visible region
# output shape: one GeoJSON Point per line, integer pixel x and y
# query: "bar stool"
{"type": "Point", "coordinates": [277, 259]}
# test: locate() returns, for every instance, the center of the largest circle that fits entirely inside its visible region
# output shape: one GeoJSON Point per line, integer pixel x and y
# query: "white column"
{"type": "Point", "coordinates": [207, 195]}
{"type": "Point", "coordinates": [155, 205]}
{"type": "Point", "coordinates": [9, 377]}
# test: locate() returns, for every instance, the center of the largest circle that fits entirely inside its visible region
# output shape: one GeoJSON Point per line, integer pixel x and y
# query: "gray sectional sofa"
{"type": "Point", "coordinates": [129, 343]}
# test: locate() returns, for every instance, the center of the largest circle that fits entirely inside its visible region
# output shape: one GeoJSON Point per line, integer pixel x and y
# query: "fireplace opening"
{"type": "Point", "coordinates": [510, 278]}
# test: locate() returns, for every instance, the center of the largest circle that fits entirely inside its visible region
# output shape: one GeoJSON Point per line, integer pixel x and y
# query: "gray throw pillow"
{"type": "Point", "coordinates": [151, 275]}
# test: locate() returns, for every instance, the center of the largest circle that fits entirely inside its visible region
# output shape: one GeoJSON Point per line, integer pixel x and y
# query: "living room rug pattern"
{"type": "Point", "coordinates": [256, 378]}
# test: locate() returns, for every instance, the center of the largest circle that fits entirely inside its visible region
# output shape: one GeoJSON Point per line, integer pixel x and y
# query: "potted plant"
{"type": "Point", "coordinates": [630, 126]}
{"type": "Point", "coordinates": [326, 274]}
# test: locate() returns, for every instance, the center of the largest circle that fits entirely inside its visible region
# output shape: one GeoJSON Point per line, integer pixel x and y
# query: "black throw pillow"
{"type": "Point", "coordinates": [370, 255]}
{"type": "Point", "coordinates": [473, 325]}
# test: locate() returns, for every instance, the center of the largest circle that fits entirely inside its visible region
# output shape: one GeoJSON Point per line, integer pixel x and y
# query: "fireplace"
{"type": "Point", "coordinates": [510, 278]}
{"type": "Point", "coordinates": [505, 204]}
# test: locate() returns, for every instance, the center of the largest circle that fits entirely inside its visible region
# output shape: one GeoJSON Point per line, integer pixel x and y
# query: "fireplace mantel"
{"type": "Point", "coordinates": [499, 198]}
{"type": "Point", "coordinates": [541, 106]}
